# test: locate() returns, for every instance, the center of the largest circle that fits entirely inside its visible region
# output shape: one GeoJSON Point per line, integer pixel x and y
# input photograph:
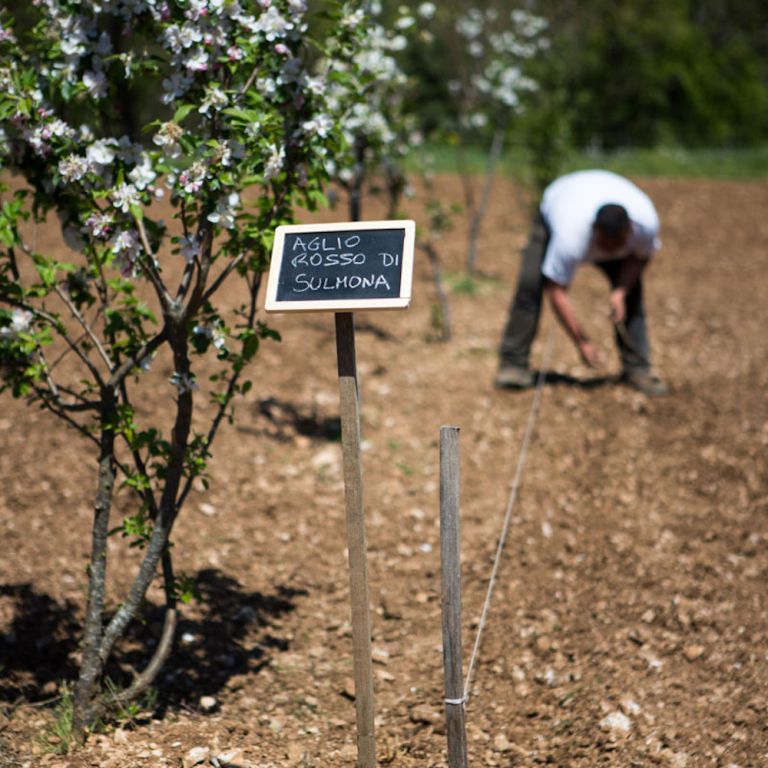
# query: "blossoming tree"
{"type": "Point", "coordinates": [235, 106]}
{"type": "Point", "coordinates": [493, 47]}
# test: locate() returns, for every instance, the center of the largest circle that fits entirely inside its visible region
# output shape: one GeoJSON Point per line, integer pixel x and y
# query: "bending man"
{"type": "Point", "coordinates": [588, 216]}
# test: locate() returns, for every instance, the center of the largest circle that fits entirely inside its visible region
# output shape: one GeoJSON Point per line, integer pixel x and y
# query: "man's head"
{"type": "Point", "coordinates": [611, 227]}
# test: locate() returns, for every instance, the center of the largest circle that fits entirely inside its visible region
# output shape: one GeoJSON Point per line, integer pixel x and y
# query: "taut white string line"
{"type": "Point", "coordinates": [532, 416]}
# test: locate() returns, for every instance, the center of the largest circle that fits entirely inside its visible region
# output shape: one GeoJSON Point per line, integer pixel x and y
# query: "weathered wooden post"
{"type": "Point", "coordinates": [349, 397]}
{"type": "Point", "coordinates": [450, 585]}
{"type": "Point", "coordinates": [341, 268]}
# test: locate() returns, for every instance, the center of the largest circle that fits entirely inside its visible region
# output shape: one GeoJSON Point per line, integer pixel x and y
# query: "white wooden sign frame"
{"type": "Point", "coordinates": [402, 301]}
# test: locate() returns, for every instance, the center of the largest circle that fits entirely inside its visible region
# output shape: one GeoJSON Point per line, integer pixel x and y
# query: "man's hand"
{"type": "Point", "coordinates": [590, 354]}
{"type": "Point", "coordinates": [618, 304]}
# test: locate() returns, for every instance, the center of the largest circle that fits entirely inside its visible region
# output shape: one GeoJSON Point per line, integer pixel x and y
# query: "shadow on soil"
{"type": "Point", "coordinates": [564, 379]}
{"type": "Point", "coordinates": [554, 378]}
{"type": "Point", "coordinates": [286, 420]}
{"type": "Point", "coordinates": [36, 647]}
{"type": "Point", "coordinates": [231, 632]}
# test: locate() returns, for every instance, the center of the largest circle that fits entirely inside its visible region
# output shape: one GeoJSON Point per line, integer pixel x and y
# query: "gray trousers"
{"type": "Point", "coordinates": [523, 320]}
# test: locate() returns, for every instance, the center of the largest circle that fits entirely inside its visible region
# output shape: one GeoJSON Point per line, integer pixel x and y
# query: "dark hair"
{"type": "Point", "coordinates": [612, 220]}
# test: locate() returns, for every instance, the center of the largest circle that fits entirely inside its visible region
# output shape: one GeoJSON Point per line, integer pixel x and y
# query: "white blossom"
{"type": "Point", "coordinates": [272, 24]}
{"type": "Point", "coordinates": [21, 321]}
{"type": "Point", "coordinates": [143, 174]}
{"type": "Point", "coordinates": [297, 7]}
{"type": "Point", "coordinates": [215, 334]}
{"type": "Point", "coordinates": [471, 25]}
{"type": "Point", "coordinates": [101, 152]}
{"type": "Point", "coordinates": [274, 163]}
{"type": "Point", "coordinates": [214, 98]}
{"type": "Point", "coordinates": [427, 10]}
{"type": "Point", "coordinates": [96, 84]}
{"type": "Point", "coordinates": [124, 196]}
{"type": "Point", "coordinates": [320, 125]}
{"type": "Point", "coordinates": [224, 215]}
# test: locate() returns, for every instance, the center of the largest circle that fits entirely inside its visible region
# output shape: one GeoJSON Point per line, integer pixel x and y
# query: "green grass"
{"type": "Point", "coordinates": [671, 162]}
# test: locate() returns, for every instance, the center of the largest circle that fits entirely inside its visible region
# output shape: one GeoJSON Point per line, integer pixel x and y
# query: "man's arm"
{"type": "Point", "coordinates": [631, 269]}
{"type": "Point", "coordinates": [563, 307]}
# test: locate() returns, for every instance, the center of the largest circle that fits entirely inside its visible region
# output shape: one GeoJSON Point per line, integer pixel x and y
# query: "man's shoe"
{"type": "Point", "coordinates": [514, 377]}
{"type": "Point", "coordinates": [645, 382]}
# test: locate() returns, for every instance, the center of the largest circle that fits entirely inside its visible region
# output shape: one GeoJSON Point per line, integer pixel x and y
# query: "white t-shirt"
{"type": "Point", "coordinates": [569, 206]}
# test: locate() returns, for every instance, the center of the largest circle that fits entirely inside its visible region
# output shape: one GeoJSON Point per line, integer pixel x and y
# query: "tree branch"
{"type": "Point", "coordinates": [158, 539]}
{"type": "Point", "coordinates": [56, 323]}
{"type": "Point", "coordinates": [222, 409]}
{"type": "Point", "coordinates": [85, 325]}
{"type": "Point", "coordinates": [223, 275]}
{"type": "Point", "coordinates": [133, 360]}
{"type": "Point", "coordinates": [165, 298]}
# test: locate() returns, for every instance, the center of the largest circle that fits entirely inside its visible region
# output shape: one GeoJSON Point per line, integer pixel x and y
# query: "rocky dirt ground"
{"type": "Point", "coordinates": [628, 624]}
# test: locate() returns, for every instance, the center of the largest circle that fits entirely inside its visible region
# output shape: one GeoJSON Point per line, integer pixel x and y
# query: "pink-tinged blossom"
{"type": "Point", "coordinates": [235, 54]}
{"type": "Point", "coordinates": [6, 36]}
{"type": "Point", "coordinates": [167, 138]}
{"type": "Point", "coordinates": [179, 38]}
{"type": "Point", "coordinates": [282, 49]}
{"type": "Point", "coordinates": [124, 196]}
{"type": "Point", "coordinates": [189, 247]}
{"type": "Point", "coordinates": [197, 62]}
{"type": "Point", "coordinates": [57, 129]}
{"type": "Point", "coordinates": [193, 178]}
{"type": "Point", "coordinates": [73, 168]}
{"type": "Point", "coordinates": [126, 242]}
{"type": "Point", "coordinates": [99, 225]}
{"type": "Point", "coordinates": [126, 249]}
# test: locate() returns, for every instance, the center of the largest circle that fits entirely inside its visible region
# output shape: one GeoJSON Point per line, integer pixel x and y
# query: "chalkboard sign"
{"type": "Point", "coordinates": [337, 267]}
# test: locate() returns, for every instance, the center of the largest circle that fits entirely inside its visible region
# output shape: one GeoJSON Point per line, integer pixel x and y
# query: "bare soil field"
{"type": "Point", "coordinates": [629, 621]}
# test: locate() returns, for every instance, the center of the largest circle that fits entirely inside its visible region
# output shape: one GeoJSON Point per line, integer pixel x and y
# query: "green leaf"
{"type": "Point", "coordinates": [182, 112]}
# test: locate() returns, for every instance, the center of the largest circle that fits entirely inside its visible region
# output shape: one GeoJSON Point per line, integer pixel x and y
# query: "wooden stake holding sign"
{"type": "Point", "coordinates": [341, 268]}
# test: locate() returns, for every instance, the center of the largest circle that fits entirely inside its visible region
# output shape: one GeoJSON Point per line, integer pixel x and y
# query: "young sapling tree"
{"type": "Point", "coordinates": [235, 132]}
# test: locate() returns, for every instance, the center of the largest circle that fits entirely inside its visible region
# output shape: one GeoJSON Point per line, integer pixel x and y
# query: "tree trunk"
{"type": "Point", "coordinates": [91, 663]}
{"type": "Point", "coordinates": [444, 309]}
{"type": "Point", "coordinates": [478, 213]}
